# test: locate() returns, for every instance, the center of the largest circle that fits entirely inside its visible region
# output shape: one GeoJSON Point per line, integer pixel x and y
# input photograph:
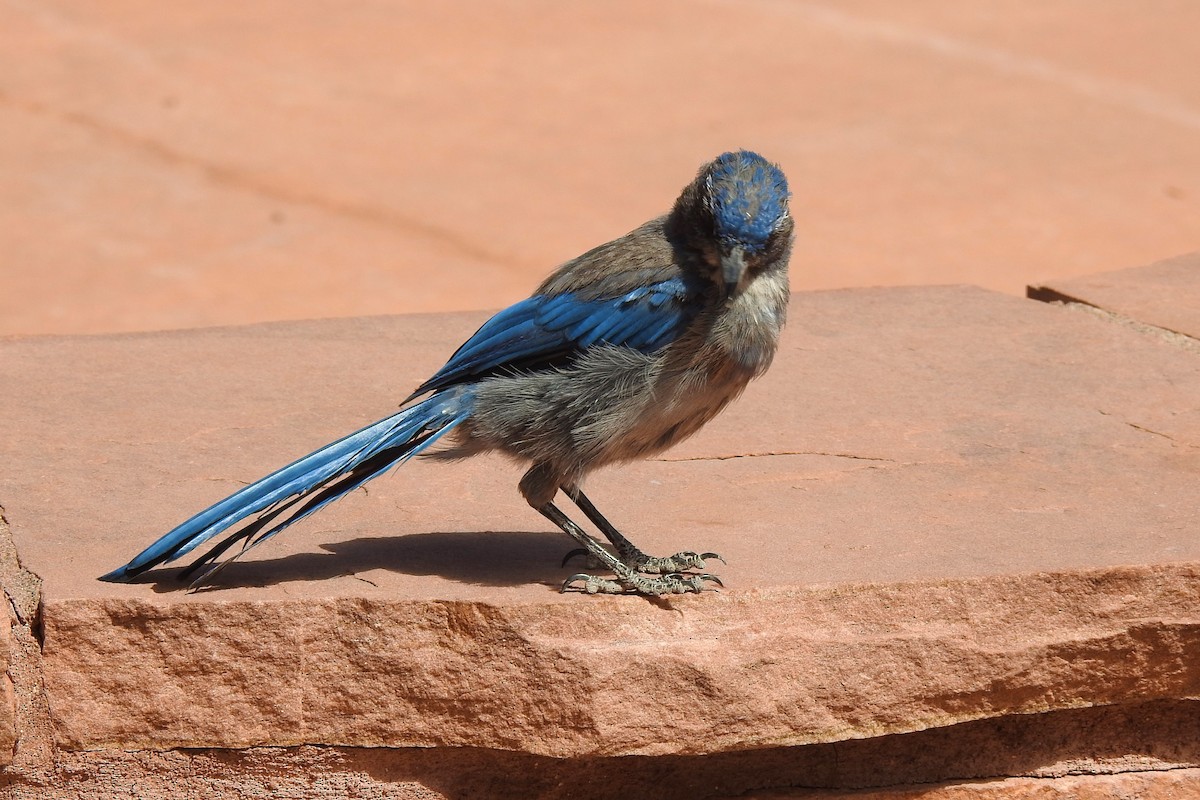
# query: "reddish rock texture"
{"type": "Point", "coordinates": [749, 669]}
{"type": "Point", "coordinates": [8, 702]}
{"type": "Point", "coordinates": [1175, 785]}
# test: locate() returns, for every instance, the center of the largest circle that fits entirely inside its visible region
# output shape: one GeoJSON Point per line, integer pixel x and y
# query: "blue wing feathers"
{"type": "Point", "coordinates": [545, 329]}
{"type": "Point", "coordinates": [555, 313]}
{"type": "Point", "coordinates": [602, 329]}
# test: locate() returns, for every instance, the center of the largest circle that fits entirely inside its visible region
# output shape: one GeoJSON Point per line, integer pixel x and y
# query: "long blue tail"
{"type": "Point", "coordinates": [317, 479]}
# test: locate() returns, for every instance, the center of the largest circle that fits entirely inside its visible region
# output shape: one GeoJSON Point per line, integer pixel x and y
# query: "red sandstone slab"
{"type": "Point", "coordinates": [941, 504]}
{"type": "Point", "coordinates": [1165, 294]}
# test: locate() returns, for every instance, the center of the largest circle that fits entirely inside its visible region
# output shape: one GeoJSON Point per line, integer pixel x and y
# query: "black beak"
{"type": "Point", "coordinates": [733, 270]}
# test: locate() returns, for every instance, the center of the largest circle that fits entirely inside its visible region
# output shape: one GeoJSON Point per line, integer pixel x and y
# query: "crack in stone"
{"type": "Point", "coordinates": [1150, 431]}
{"type": "Point", "coordinates": [1099, 770]}
{"type": "Point", "coordinates": [22, 587]}
{"type": "Point", "coordinates": [1050, 296]}
{"type": "Point", "coordinates": [1137, 427]}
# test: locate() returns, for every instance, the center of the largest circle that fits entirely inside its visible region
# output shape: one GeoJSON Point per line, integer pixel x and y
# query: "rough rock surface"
{"type": "Point", "coordinates": [757, 668]}
{"type": "Point", "coordinates": [8, 701]}
{"type": "Point", "coordinates": [1131, 751]}
{"type": "Point", "coordinates": [1174, 785]}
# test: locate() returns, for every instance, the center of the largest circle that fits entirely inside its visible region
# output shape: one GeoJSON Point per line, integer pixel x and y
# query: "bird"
{"type": "Point", "coordinates": [619, 354]}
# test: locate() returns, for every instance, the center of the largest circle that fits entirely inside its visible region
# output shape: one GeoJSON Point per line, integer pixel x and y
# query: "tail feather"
{"type": "Point", "coordinates": [322, 495]}
{"type": "Point", "coordinates": [322, 477]}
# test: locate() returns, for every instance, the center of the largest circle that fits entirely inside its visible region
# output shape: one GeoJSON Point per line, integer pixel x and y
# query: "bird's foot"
{"type": "Point", "coordinates": [666, 565]}
{"type": "Point", "coordinates": [630, 582]}
{"type": "Point", "coordinates": [652, 565]}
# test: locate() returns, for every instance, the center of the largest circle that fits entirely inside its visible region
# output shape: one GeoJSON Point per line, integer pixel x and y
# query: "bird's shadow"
{"type": "Point", "coordinates": [484, 558]}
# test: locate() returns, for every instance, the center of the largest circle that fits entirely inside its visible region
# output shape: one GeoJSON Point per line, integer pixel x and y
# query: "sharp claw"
{"type": "Point", "coordinates": [578, 551]}
{"type": "Point", "coordinates": [685, 560]}
{"type": "Point", "coordinates": [693, 579]}
{"type": "Point", "coordinates": [579, 576]}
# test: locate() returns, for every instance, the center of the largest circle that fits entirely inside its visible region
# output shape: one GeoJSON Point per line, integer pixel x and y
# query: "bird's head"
{"type": "Point", "coordinates": [735, 216]}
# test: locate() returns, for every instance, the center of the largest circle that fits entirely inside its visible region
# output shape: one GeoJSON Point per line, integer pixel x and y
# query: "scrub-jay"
{"type": "Point", "coordinates": [621, 353]}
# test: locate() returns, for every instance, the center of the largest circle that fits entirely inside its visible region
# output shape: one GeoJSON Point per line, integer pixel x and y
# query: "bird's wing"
{"type": "Point", "coordinates": [547, 330]}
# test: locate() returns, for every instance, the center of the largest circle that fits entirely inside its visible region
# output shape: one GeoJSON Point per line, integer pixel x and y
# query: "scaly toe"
{"type": "Point", "coordinates": [593, 584]}
{"type": "Point", "coordinates": [685, 583]}
{"type": "Point", "coordinates": [680, 562]}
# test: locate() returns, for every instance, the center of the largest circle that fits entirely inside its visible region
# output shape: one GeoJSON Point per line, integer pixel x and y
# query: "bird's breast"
{"type": "Point", "coordinates": [746, 330]}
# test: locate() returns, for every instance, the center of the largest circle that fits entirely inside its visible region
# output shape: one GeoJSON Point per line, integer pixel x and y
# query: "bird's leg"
{"type": "Point", "coordinates": [628, 552]}
{"type": "Point", "coordinates": [625, 579]}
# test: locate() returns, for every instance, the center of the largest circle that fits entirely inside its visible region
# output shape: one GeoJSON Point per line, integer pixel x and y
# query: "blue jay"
{"type": "Point", "coordinates": [619, 354]}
